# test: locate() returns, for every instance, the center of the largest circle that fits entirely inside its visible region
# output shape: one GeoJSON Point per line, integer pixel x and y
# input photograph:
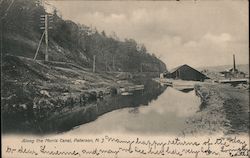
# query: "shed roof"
{"type": "Point", "coordinates": [175, 69]}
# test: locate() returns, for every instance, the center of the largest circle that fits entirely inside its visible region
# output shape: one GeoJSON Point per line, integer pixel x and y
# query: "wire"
{"type": "Point", "coordinates": [6, 12]}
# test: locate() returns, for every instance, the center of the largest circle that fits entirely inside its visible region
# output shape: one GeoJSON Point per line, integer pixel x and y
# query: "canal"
{"type": "Point", "coordinates": [162, 114]}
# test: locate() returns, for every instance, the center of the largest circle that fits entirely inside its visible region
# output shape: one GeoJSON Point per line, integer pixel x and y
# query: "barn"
{"type": "Point", "coordinates": [185, 72]}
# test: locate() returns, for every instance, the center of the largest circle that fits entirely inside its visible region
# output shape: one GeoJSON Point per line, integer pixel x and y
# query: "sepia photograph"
{"type": "Point", "coordinates": [128, 78]}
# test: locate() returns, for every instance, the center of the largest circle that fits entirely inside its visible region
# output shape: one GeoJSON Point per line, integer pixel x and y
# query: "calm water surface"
{"type": "Point", "coordinates": [166, 114]}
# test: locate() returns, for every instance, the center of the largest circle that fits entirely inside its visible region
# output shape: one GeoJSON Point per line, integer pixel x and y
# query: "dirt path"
{"type": "Point", "coordinates": [224, 109]}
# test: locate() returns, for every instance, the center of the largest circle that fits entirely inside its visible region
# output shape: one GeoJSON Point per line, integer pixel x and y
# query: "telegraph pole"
{"type": "Point", "coordinates": [2, 27]}
{"type": "Point", "coordinates": [106, 65]}
{"type": "Point", "coordinates": [113, 63]}
{"type": "Point", "coordinates": [45, 19]}
{"type": "Point", "coordinates": [234, 66]}
{"type": "Point", "coordinates": [94, 64]}
{"type": "Point", "coordinates": [46, 37]}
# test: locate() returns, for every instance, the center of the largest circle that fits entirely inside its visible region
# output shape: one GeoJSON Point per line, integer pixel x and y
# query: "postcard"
{"type": "Point", "coordinates": [124, 79]}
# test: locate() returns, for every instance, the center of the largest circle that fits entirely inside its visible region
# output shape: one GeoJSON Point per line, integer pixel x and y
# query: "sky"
{"type": "Point", "coordinates": [197, 33]}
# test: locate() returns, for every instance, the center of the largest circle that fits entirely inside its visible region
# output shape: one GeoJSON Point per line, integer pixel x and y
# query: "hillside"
{"type": "Point", "coordinates": [34, 90]}
{"type": "Point", "coordinates": [70, 42]}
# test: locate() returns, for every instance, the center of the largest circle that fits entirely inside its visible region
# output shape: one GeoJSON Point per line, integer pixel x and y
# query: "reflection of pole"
{"type": "Point", "coordinates": [46, 38]}
{"type": "Point", "coordinates": [94, 64]}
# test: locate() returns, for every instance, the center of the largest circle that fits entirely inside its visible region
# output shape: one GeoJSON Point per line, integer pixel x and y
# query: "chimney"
{"type": "Point", "coordinates": [234, 68]}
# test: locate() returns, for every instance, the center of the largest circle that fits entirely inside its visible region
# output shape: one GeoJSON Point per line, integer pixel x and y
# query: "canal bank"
{"type": "Point", "coordinates": [42, 99]}
{"type": "Point", "coordinates": [224, 109]}
{"type": "Point", "coordinates": [34, 92]}
{"type": "Point", "coordinates": [78, 109]}
{"type": "Point", "coordinates": [167, 114]}
{"type": "Point", "coordinates": [210, 109]}
{"type": "Point", "coordinates": [78, 115]}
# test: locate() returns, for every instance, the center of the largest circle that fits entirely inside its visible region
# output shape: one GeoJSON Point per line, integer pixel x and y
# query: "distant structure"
{"type": "Point", "coordinates": [164, 74]}
{"type": "Point", "coordinates": [124, 76]}
{"type": "Point", "coordinates": [233, 72]}
{"type": "Point", "coordinates": [185, 72]}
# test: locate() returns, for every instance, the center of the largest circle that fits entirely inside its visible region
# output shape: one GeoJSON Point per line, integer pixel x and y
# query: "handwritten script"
{"type": "Point", "coordinates": [114, 146]}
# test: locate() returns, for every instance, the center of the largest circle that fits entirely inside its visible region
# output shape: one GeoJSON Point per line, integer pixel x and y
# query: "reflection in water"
{"type": "Point", "coordinates": [134, 110]}
{"type": "Point", "coordinates": [166, 114]}
{"type": "Point", "coordinates": [187, 90]}
{"type": "Point", "coordinates": [84, 114]}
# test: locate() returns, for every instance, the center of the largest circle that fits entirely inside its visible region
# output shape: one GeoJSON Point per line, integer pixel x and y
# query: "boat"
{"type": "Point", "coordinates": [126, 93]}
{"type": "Point", "coordinates": [164, 82]}
{"type": "Point", "coordinates": [167, 83]}
{"type": "Point", "coordinates": [132, 88]}
{"type": "Point", "coordinates": [183, 85]}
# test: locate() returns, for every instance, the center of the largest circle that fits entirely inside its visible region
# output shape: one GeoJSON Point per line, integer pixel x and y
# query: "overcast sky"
{"type": "Point", "coordinates": [197, 33]}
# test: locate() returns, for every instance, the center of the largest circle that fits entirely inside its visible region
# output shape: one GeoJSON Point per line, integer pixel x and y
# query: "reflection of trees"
{"type": "Point", "coordinates": [142, 97]}
{"type": "Point", "coordinates": [134, 110]}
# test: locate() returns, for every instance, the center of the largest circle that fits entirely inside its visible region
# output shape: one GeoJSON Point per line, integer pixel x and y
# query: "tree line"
{"type": "Point", "coordinates": [68, 41]}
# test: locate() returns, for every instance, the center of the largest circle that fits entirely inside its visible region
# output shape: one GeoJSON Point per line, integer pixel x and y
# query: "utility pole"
{"type": "Point", "coordinates": [106, 65]}
{"type": "Point", "coordinates": [45, 19]}
{"type": "Point", "coordinates": [94, 64]}
{"type": "Point", "coordinates": [113, 63]}
{"type": "Point", "coordinates": [2, 31]}
{"type": "Point", "coordinates": [234, 66]}
{"type": "Point", "coordinates": [46, 37]}
{"type": "Point", "coordinates": [2, 27]}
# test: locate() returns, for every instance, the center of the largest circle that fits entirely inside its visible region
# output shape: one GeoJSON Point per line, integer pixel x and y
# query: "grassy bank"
{"type": "Point", "coordinates": [35, 92]}
{"type": "Point", "coordinates": [224, 108]}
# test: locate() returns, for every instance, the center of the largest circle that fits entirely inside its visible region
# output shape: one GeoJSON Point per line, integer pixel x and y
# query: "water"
{"type": "Point", "coordinates": [166, 114]}
{"type": "Point", "coordinates": [155, 109]}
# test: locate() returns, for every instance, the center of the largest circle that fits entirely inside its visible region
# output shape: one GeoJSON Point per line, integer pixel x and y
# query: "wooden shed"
{"type": "Point", "coordinates": [185, 72]}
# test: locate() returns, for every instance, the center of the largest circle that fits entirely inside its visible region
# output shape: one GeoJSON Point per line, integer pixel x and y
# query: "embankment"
{"type": "Point", "coordinates": [224, 108]}
{"type": "Point", "coordinates": [78, 115]}
{"type": "Point", "coordinates": [39, 97]}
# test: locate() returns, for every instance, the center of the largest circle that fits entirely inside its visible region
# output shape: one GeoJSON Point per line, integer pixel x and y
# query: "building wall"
{"type": "Point", "coordinates": [187, 73]}
{"type": "Point", "coordinates": [234, 75]}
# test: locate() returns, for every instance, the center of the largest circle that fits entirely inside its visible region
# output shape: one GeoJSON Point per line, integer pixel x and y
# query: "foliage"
{"type": "Point", "coordinates": [79, 43]}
